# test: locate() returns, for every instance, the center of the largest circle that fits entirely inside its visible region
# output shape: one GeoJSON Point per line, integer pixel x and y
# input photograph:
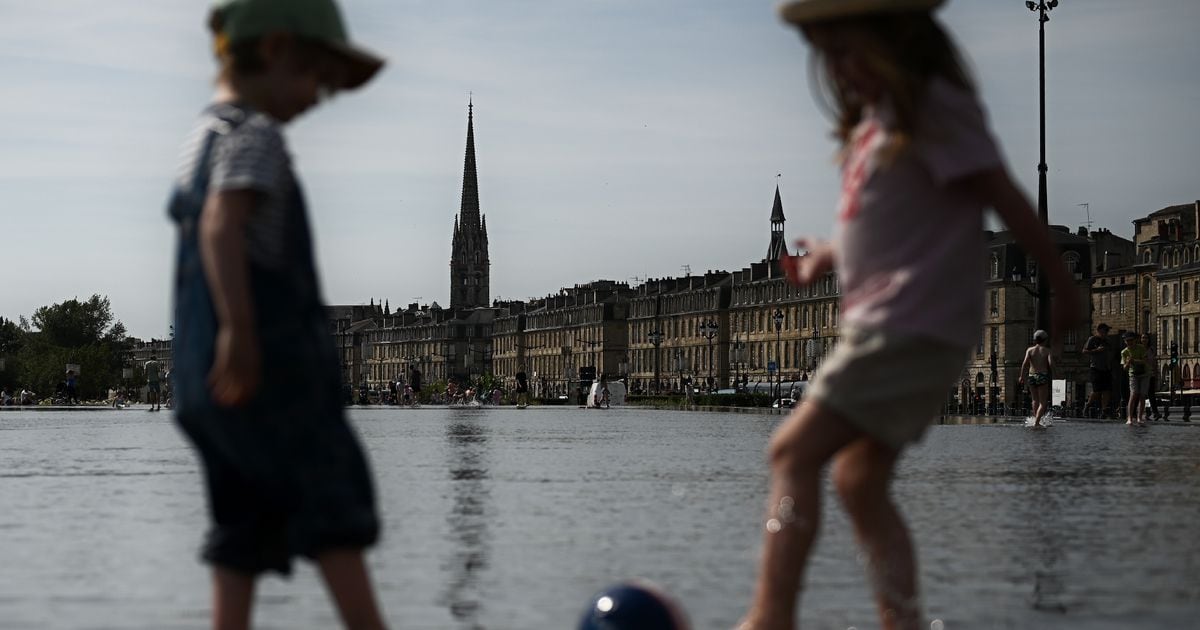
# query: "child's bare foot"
{"type": "Point", "coordinates": [756, 621]}
{"type": "Point", "coordinates": [749, 622]}
{"type": "Point", "coordinates": [1129, 422]}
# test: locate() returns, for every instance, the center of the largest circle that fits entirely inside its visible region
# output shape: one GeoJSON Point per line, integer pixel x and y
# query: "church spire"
{"type": "Point", "coordinates": [777, 209]}
{"type": "Point", "coordinates": [469, 263]}
{"type": "Point", "coordinates": [778, 246]}
{"type": "Point", "coordinates": [469, 211]}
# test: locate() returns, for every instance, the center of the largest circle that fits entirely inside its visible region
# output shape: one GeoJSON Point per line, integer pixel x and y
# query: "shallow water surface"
{"type": "Point", "coordinates": [498, 519]}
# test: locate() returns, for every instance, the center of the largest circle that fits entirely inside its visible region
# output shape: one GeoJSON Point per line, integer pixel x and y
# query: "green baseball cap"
{"type": "Point", "coordinates": [318, 20]}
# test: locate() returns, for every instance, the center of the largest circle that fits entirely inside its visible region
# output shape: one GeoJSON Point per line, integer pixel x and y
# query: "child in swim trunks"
{"type": "Point", "coordinates": [1035, 370]}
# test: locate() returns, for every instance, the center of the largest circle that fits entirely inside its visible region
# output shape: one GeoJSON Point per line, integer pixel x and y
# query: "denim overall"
{"type": "Point", "coordinates": [285, 473]}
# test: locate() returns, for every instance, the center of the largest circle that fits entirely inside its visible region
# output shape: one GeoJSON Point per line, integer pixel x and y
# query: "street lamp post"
{"type": "Point", "coordinates": [708, 330]}
{"type": "Point", "coordinates": [778, 319]}
{"type": "Point", "coordinates": [739, 361]}
{"type": "Point", "coordinates": [679, 366]}
{"type": "Point", "coordinates": [656, 337]}
{"type": "Point", "coordinates": [812, 349]}
{"type": "Point", "coordinates": [1042, 8]}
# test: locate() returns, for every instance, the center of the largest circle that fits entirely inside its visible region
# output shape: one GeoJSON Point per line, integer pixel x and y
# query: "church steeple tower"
{"type": "Point", "coordinates": [470, 267]}
{"type": "Point", "coordinates": [778, 246]}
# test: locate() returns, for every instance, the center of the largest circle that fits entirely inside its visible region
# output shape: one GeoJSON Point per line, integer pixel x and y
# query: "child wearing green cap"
{"type": "Point", "coordinates": [257, 378]}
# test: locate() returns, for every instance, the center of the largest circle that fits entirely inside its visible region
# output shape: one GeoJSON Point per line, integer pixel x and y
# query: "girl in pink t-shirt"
{"type": "Point", "coordinates": [919, 167]}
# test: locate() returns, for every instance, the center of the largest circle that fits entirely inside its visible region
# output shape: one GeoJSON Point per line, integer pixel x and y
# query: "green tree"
{"type": "Point", "coordinates": [12, 339]}
{"type": "Point", "coordinates": [79, 332]}
{"type": "Point", "coordinates": [73, 323]}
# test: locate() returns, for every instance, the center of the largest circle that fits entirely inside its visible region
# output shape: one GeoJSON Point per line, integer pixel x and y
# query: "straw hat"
{"type": "Point", "coordinates": [801, 12]}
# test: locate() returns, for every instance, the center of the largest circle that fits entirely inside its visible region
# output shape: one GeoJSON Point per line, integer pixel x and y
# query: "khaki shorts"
{"type": "Point", "coordinates": [890, 385]}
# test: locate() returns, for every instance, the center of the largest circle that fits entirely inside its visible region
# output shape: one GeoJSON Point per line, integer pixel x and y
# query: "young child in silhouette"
{"type": "Point", "coordinates": [257, 381]}
{"type": "Point", "coordinates": [1035, 371]}
{"type": "Point", "coordinates": [919, 167]}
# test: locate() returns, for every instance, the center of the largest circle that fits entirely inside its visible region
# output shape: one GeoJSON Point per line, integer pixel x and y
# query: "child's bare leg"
{"type": "Point", "coordinates": [798, 452]}
{"type": "Point", "coordinates": [1039, 394]}
{"type": "Point", "coordinates": [346, 577]}
{"type": "Point", "coordinates": [862, 474]}
{"type": "Point", "coordinates": [233, 595]}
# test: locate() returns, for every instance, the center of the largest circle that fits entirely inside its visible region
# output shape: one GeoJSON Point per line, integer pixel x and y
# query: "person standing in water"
{"type": "Point", "coordinates": [1134, 358]}
{"type": "Point", "coordinates": [919, 168]}
{"type": "Point", "coordinates": [1035, 371]}
{"type": "Point", "coordinates": [153, 372]}
{"type": "Point", "coordinates": [257, 381]}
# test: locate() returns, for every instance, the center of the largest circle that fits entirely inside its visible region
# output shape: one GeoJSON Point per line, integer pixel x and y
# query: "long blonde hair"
{"type": "Point", "coordinates": [903, 51]}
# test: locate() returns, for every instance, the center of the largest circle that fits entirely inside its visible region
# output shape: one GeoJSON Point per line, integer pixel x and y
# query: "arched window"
{"type": "Point", "coordinates": [1176, 258]}
{"type": "Point", "coordinates": [995, 267]}
{"type": "Point", "coordinates": [1146, 287]}
{"type": "Point", "coordinates": [1165, 259]}
{"type": "Point", "coordinates": [1071, 260]}
{"type": "Point", "coordinates": [1187, 256]}
{"type": "Point", "coordinates": [1146, 257]}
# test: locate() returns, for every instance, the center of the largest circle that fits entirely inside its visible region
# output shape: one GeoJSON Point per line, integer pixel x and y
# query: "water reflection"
{"type": "Point", "coordinates": [1042, 504]}
{"type": "Point", "coordinates": [467, 523]}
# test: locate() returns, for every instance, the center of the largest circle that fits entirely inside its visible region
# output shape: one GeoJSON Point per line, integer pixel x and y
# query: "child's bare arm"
{"type": "Point", "coordinates": [995, 188]}
{"type": "Point", "coordinates": [235, 372]}
{"type": "Point", "coordinates": [1024, 368]}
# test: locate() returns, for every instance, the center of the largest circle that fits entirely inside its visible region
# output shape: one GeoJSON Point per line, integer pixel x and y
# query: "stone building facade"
{"type": "Point", "coordinates": [678, 332]}
{"type": "Point", "coordinates": [579, 333]}
{"type": "Point", "coordinates": [780, 332]}
{"type": "Point", "coordinates": [1168, 272]}
{"type": "Point", "coordinates": [1010, 312]}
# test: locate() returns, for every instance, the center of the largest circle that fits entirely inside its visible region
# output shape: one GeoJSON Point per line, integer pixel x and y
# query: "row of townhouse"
{"type": "Point", "coordinates": [724, 329]}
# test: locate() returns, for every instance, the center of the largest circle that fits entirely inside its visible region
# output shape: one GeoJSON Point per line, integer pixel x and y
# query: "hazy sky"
{"type": "Point", "coordinates": [615, 139]}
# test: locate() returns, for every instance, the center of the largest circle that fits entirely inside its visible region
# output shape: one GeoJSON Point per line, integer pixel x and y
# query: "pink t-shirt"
{"type": "Point", "coordinates": [910, 251]}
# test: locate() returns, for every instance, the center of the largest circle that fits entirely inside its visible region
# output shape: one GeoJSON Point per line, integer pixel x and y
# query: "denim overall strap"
{"type": "Point", "coordinates": [195, 318]}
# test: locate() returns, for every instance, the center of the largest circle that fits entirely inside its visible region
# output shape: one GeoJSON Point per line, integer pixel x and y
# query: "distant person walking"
{"type": "Point", "coordinates": [1135, 360]}
{"type": "Point", "coordinates": [415, 381]}
{"type": "Point", "coordinates": [1036, 370]}
{"type": "Point", "coordinates": [919, 168]}
{"type": "Point", "coordinates": [153, 372]}
{"type": "Point", "coordinates": [522, 389]}
{"type": "Point", "coordinates": [1152, 387]}
{"type": "Point", "coordinates": [257, 379]}
{"type": "Point", "coordinates": [1100, 370]}
{"type": "Point", "coordinates": [71, 391]}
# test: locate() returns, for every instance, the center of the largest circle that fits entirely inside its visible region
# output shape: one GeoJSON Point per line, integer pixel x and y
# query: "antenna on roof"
{"type": "Point", "coordinates": [1088, 210]}
{"type": "Point", "coordinates": [686, 269]}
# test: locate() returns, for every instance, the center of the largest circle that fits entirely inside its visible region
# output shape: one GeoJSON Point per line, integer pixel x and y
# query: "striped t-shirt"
{"type": "Point", "coordinates": [251, 155]}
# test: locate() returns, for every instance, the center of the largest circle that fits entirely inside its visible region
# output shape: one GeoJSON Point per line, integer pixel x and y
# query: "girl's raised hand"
{"type": "Point", "coordinates": [808, 267]}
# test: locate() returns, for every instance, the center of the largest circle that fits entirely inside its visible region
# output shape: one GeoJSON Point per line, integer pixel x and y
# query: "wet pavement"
{"type": "Point", "coordinates": [498, 518]}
